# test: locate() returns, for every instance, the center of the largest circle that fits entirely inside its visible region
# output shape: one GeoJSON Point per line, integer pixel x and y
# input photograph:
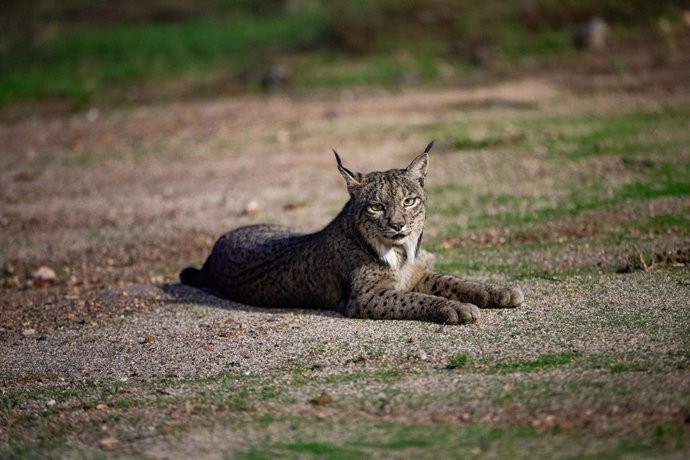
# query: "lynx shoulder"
{"type": "Point", "coordinates": [368, 262]}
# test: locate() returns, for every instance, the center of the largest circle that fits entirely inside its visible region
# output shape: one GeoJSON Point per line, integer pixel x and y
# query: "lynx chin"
{"type": "Point", "coordinates": [368, 262]}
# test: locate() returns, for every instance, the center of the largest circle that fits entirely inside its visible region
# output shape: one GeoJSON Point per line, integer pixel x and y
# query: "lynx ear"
{"type": "Point", "coordinates": [352, 178]}
{"type": "Point", "coordinates": [417, 169]}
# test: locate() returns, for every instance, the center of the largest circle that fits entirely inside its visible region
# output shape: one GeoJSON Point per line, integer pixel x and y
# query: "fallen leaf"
{"type": "Point", "coordinates": [323, 400]}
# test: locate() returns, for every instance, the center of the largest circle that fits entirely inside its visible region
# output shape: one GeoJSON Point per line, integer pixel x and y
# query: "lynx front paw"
{"type": "Point", "coordinates": [457, 313]}
{"type": "Point", "coordinates": [467, 312]}
{"type": "Point", "coordinates": [506, 298]}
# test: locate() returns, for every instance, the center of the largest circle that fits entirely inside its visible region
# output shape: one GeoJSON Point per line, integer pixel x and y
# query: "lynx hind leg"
{"type": "Point", "coordinates": [466, 291]}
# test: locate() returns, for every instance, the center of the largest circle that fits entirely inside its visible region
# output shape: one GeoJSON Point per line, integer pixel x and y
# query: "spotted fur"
{"type": "Point", "coordinates": [367, 263]}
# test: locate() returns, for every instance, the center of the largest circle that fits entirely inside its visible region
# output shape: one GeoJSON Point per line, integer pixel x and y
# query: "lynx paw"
{"type": "Point", "coordinates": [467, 312]}
{"type": "Point", "coordinates": [458, 313]}
{"type": "Point", "coordinates": [506, 298]}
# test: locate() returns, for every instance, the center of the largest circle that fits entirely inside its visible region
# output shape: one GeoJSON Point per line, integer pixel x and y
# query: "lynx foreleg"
{"type": "Point", "coordinates": [394, 304]}
{"type": "Point", "coordinates": [450, 287]}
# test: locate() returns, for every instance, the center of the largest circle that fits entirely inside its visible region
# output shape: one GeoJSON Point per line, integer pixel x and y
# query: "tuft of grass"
{"type": "Point", "coordinates": [459, 361]}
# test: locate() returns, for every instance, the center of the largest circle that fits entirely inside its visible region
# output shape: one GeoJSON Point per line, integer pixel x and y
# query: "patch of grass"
{"type": "Point", "coordinates": [665, 174]}
{"type": "Point", "coordinates": [374, 440]}
{"type": "Point", "coordinates": [382, 440]}
{"type": "Point", "coordinates": [89, 61]}
{"type": "Point", "coordinates": [47, 442]}
{"type": "Point", "coordinates": [666, 180]}
{"type": "Point", "coordinates": [662, 180]}
{"type": "Point", "coordinates": [322, 449]}
{"type": "Point", "coordinates": [544, 361]}
{"type": "Point", "coordinates": [666, 438]}
{"type": "Point", "coordinates": [618, 363]}
{"type": "Point", "coordinates": [268, 393]}
{"type": "Point", "coordinates": [310, 437]}
{"type": "Point", "coordinates": [459, 361]}
{"type": "Point", "coordinates": [663, 223]}
{"type": "Point", "coordinates": [636, 133]}
{"type": "Point", "coordinates": [329, 70]}
{"type": "Point", "coordinates": [381, 375]}
{"type": "Point", "coordinates": [516, 43]}
{"type": "Point", "coordinates": [463, 141]}
{"type": "Point", "coordinates": [463, 136]}
{"type": "Point", "coordinates": [514, 260]}
{"type": "Point", "coordinates": [620, 368]}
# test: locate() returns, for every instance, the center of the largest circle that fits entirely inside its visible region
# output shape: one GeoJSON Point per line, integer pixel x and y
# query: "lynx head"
{"type": "Point", "coordinates": [389, 207]}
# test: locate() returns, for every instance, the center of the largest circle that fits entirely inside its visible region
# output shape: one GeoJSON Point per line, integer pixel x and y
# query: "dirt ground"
{"type": "Point", "coordinates": [115, 357]}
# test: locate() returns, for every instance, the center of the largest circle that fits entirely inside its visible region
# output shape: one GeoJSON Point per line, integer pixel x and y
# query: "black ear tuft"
{"type": "Point", "coordinates": [337, 158]}
{"type": "Point", "coordinates": [428, 147]}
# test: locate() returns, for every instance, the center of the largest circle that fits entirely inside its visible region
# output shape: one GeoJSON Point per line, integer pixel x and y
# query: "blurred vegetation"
{"type": "Point", "coordinates": [81, 49]}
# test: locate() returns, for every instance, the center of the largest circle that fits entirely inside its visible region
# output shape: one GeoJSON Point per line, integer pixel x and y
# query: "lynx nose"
{"type": "Point", "coordinates": [396, 225]}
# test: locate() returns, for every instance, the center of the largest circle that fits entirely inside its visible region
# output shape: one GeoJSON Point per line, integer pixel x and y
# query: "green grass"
{"type": "Point", "coordinates": [216, 398]}
{"type": "Point", "coordinates": [510, 260]}
{"type": "Point", "coordinates": [80, 63]}
{"type": "Point", "coordinates": [663, 223]}
{"type": "Point", "coordinates": [516, 43]}
{"type": "Point", "coordinates": [303, 449]}
{"type": "Point", "coordinates": [618, 363]}
{"type": "Point", "coordinates": [544, 361]}
{"type": "Point", "coordinates": [661, 180]}
{"type": "Point", "coordinates": [632, 135]}
{"type": "Point", "coordinates": [398, 440]}
{"type": "Point", "coordinates": [635, 133]}
{"type": "Point", "coordinates": [459, 361]}
{"type": "Point", "coordinates": [89, 61]}
{"type": "Point", "coordinates": [333, 70]}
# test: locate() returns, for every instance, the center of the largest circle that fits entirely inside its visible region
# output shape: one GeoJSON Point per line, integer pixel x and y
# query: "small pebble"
{"type": "Point", "coordinates": [252, 208]}
{"type": "Point", "coordinates": [44, 275]}
{"type": "Point", "coordinates": [109, 443]}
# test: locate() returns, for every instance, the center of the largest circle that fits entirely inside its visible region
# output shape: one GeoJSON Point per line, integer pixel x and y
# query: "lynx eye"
{"type": "Point", "coordinates": [410, 202]}
{"type": "Point", "coordinates": [374, 208]}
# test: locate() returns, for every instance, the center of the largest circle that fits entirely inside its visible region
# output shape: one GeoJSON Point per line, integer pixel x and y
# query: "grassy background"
{"type": "Point", "coordinates": [79, 50]}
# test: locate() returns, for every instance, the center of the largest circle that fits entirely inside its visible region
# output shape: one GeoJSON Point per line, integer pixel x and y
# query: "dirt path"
{"type": "Point", "coordinates": [114, 355]}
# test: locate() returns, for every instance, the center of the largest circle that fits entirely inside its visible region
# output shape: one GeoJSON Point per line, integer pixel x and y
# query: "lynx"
{"type": "Point", "coordinates": [366, 263]}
